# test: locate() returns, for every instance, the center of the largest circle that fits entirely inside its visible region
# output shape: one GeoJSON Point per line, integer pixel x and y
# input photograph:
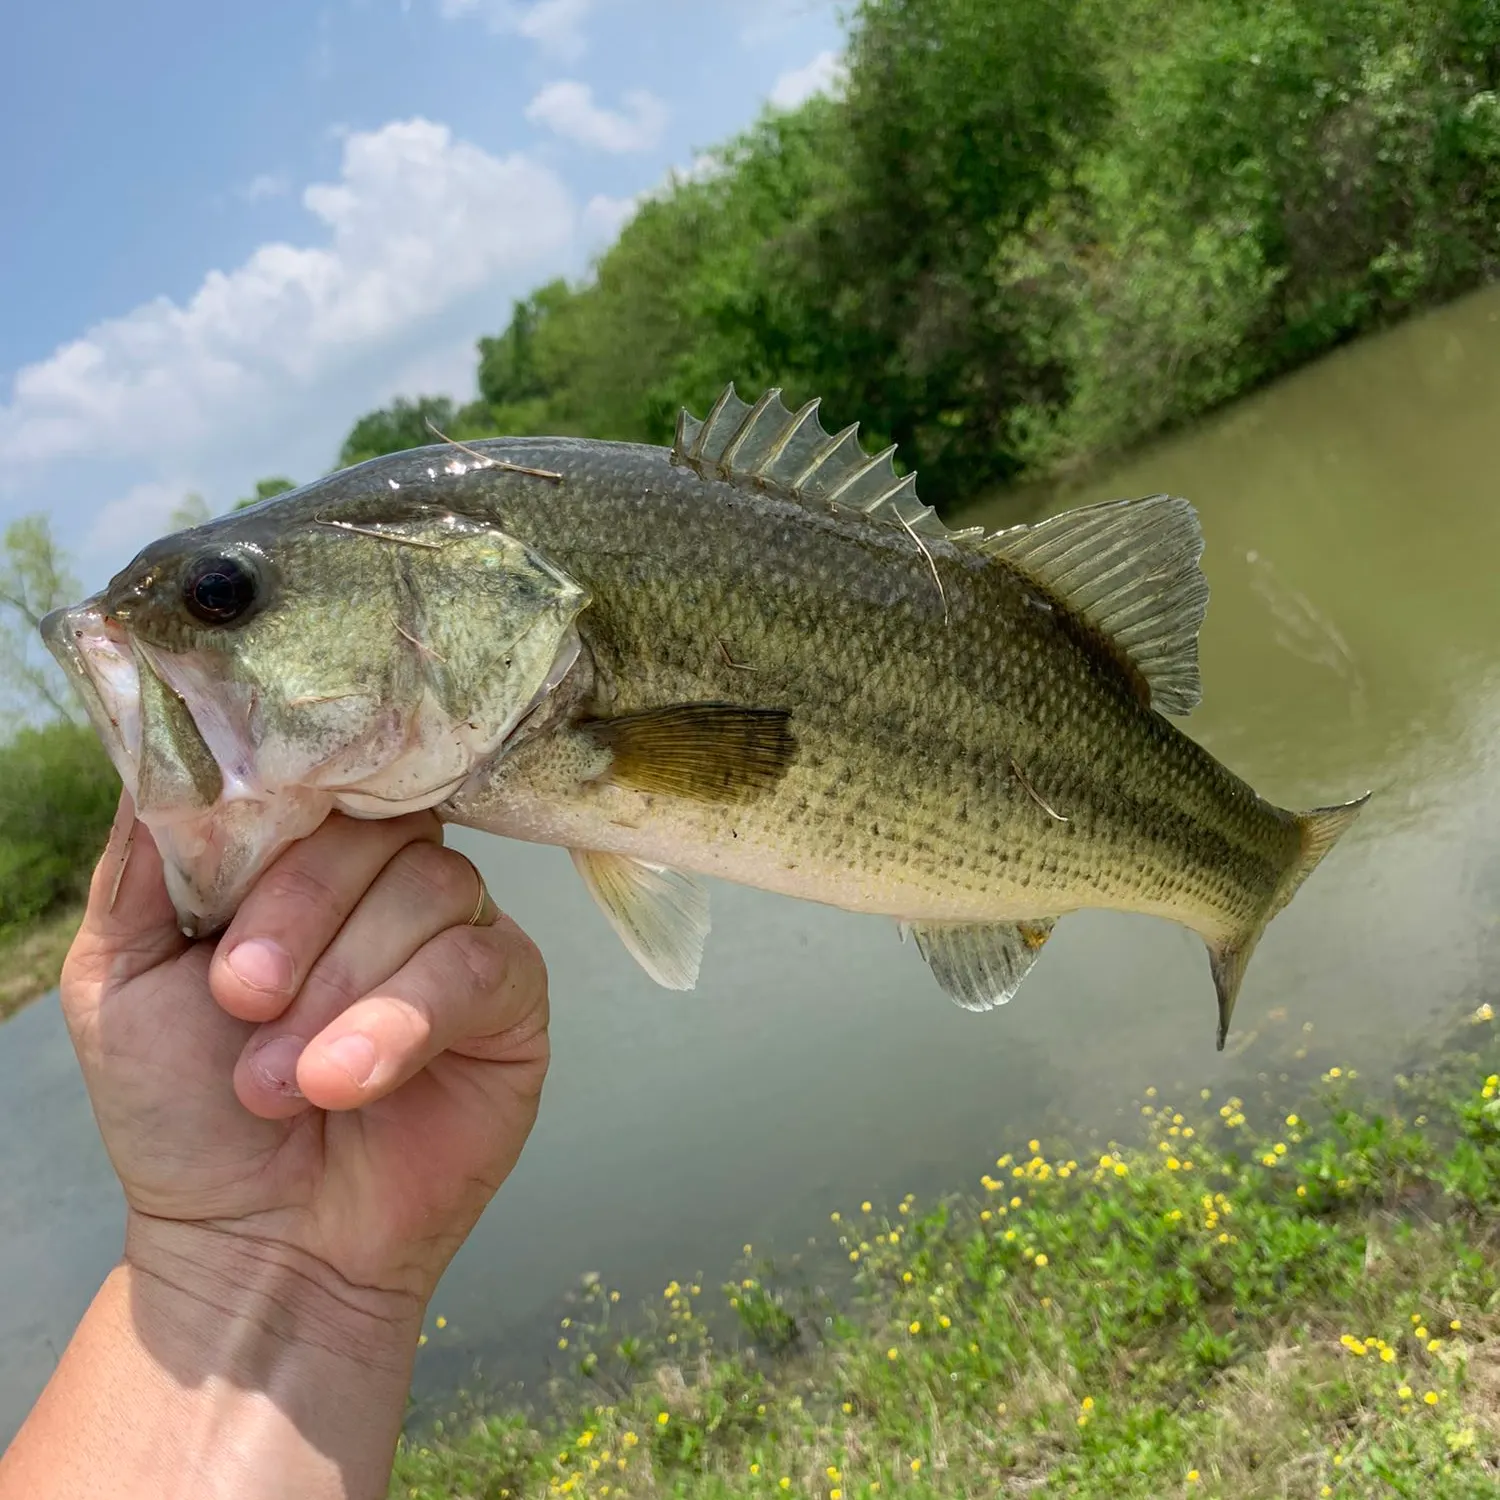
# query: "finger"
{"type": "Point", "coordinates": [129, 924]}
{"type": "Point", "coordinates": [300, 903]}
{"type": "Point", "coordinates": [480, 991]}
{"type": "Point", "coordinates": [421, 892]}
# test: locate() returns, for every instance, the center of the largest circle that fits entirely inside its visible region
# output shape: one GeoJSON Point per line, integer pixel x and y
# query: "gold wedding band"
{"type": "Point", "coordinates": [485, 911]}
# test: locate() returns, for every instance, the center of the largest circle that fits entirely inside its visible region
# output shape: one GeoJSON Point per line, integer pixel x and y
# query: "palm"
{"type": "Point", "coordinates": [352, 1187]}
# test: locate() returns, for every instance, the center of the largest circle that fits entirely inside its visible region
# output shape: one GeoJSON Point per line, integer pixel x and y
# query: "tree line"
{"type": "Point", "coordinates": [1019, 236]}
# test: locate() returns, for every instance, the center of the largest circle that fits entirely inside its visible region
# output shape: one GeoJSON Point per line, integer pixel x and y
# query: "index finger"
{"type": "Point", "coordinates": [297, 907]}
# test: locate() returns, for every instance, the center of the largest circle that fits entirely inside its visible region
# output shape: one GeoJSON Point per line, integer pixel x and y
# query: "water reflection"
{"type": "Point", "coordinates": [1352, 516]}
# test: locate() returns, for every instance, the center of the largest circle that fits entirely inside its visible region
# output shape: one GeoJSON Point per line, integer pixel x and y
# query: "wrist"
{"type": "Point", "coordinates": [219, 1294]}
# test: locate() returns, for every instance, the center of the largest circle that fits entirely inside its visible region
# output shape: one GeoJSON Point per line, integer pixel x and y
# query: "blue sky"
{"type": "Point", "coordinates": [229, 230]}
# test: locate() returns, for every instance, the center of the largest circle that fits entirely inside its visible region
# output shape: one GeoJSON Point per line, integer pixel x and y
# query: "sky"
{"type": "Point", "coordinates": [231, 230]}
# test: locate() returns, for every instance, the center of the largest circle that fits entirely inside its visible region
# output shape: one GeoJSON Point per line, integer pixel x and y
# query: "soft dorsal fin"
{"type": "Point", "coordinates": [791, 454]}
{"type": "Point", "coordinates": [1130, 568]}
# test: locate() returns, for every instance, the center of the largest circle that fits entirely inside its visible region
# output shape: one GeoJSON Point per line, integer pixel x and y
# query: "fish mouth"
{"type": "Point", "coordinates": [95, 654]}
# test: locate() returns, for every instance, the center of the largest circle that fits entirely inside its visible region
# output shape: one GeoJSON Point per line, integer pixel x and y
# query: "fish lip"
{"type": "Point", "coordinates": [61, 630]}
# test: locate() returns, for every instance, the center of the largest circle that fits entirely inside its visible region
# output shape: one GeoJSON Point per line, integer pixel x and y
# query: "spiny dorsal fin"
{"type": "Point", "coordinates": [1129, 567]}
{"type": "Point", "coordinates": [981, 964]}
{"type": "Point", "coordinates": [791, 454]}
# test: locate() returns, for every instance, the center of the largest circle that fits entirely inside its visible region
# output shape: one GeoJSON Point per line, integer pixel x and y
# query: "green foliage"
{"type": "Point", "coordinates": [1214, 1309]}
{"type": "Point", "coordinates": [1029, 233]}
{"type": "Point", "coordinates": [393, 429]}
{"type": "Point", "coordinates": [34, 580]}
{"type": "Point", "coordinates": [265, 489]}
{"type": "Point", "coordinates": [57, 797]}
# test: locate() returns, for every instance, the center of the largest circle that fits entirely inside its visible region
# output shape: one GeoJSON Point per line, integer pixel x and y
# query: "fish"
{"type": "Point", "coordinates": [755, 655]}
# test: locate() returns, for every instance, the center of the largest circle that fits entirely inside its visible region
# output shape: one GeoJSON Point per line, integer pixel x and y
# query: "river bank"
{"type": "Point", "coordinates": [1248, 1299]}
{"type": "Point", "coordinates": [31, 963]}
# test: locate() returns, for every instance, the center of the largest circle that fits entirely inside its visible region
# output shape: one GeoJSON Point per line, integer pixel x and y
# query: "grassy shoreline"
{"type": "Point", "coordinates": [31, 963]}
{"type": "Point", "coordinates": [1243, 1302]}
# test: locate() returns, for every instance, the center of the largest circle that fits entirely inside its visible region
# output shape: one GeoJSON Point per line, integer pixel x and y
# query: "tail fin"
{"type": "Point", "coordinates": [1320, 831]}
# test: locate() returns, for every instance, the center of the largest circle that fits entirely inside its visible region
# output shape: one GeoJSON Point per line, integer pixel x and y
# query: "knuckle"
{"type": "Point", "coordinates": [297, 885]}
{"type": "Point", "coordinates": [438, 873]}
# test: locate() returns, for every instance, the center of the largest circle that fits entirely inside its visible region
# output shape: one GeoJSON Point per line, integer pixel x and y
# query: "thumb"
{"type": "Point", "coordinates": [129, 925]}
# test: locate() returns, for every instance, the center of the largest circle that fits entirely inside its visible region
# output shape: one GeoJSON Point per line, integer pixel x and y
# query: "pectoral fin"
{"type": "Point", "coordinates": [711, 752]}
{"type": "Point", "coordinates": [661, 915]}
{"type": "Point", "coordinates": [981, 964]}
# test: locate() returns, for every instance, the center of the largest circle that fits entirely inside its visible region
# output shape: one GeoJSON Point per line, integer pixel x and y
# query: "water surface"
{"type": "Point", "coordinates": [1352, 517]}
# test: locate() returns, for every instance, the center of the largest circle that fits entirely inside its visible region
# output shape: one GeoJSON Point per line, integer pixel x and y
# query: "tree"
{"type": "Point", "coordinates": [34, 580]}
{"type": "Point", "coordinates": [265, 489]}
{"type": "Point", "coordinates": [401, 425]}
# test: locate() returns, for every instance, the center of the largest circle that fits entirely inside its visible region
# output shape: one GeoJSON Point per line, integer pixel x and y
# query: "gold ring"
{"type": "Point", "coordinates": [484, 912]}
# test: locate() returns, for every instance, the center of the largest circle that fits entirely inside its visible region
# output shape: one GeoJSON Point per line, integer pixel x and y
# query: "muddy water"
{"type": "Point", "coordinates": [1352, 516]}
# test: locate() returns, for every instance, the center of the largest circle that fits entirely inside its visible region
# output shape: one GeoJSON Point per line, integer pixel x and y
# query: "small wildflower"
{"type": "Point", "coordinates": [1404, 1393]}
{"type": "Point", "coordinates": [1015, 1202]}
{"type": "Point", "coordinates": [848, 1408]}
{"type": "Point", "coordinates": [1041, 1260]}
{"type": "Point", "coordinates": [614, 1296]}
{"type": "Point", "coordinates": [1151, 1092]}
{"type": "Point", "coordinates": [893, 1354]}
{"type": "Point", "coordinates": [421, 1339]}
{"type": "Point", "coordinates": [1422, 1334]}
{"type": "Point", "coordinates": [1293, 1121]}
{"type": "Point", "coordinates": [662, 1418]}
{"type": "Point", "coordinates": [832, 1472]}
{"type": "Point", "coordinates": [854, 1255]}
{"type": "Point", "coordinates": [906, 1277]}
{"type": "Point", "coordinates": [914, 1327]}
{"type": "Point", "coordinates": [1387, 1354]}
{"type": "Point", "coordinates": [835, 1494]}
{"type": "Point", "coordinates": [755, 1468]}
{"type": "Point", "coordinates": [562, 1343]}
{"type": "Point", "coordinates": [629, 1440]}
{"type": "Point", "coordinates": [1486, 1012]}
{"type": "Point", "coordinates": [1302, 1190]}
{"type": "Point", "coordinates": [916, 1466]}
{"type": "Point", "coordinates": [1433, 1345]}
{"type": "Point", "coordinates": [784, 1482]}
{"type": "Point", "coordinates": [1087, 1403]}
{"type": "Point", "coordinates": [834, 1216]}
{"type": "Point", "coordinates": [441, 1321]}
{"type": "Point", "coordinates": [944, 1321]}
{"type": "Point", "coordinates": [1455, 1324]}
{"type": "Point", "coordinates": [864, 1207]}
{"type": "Point", "coordinates": [1431, 1398]}
{"type": "Point", "coordinates": [1193, 1476]}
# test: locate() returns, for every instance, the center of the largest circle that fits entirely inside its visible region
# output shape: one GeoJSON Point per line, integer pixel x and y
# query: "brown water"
{"type": "Point", "coordinates": [1352, 516]}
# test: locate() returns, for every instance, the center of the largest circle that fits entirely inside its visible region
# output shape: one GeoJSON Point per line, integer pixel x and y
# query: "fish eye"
{"type": "Point", "coordinates": [218, 590]}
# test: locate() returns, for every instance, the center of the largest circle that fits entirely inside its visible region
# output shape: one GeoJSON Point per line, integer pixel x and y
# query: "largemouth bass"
{"type": "Point", "coordinates": [755, 655]}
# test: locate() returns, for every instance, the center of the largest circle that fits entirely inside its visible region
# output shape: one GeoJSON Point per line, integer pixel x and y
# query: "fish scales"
{"type": "Point", "coordinates": [756, 655]}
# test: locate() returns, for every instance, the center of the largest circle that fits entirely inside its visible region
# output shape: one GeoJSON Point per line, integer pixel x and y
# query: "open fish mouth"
{"type": "Point", "coordinates": [96, 655]}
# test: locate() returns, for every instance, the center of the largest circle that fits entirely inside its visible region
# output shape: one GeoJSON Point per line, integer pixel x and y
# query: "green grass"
{"type": "Point", "coordinates": [1304, 1302]}
{"type": "Point", "coordinates": [31, 961]}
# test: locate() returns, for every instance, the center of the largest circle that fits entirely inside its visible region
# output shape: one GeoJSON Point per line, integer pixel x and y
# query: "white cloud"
{"type": "Point", "coordinates": [265, 185]}
{"type": "Point", "coordinates": [422, 240]}
{"type": "Point", "coordinates": [604, 217]}
{"type": "Point", "coordinates": [416, 221]}
{"type": "Point", "coordinates": [823, 75]}
{"type": "Point", "coordinates": [567, 107]}
{"type": "Point", "coordinates": [556, 26]}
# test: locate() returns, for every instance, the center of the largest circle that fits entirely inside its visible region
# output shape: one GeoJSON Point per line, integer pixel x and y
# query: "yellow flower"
{"type": "Point", "coordinates": [662, 1418]}
{"type": "Point", "coordinates": [835, 1494]}
{"type": "Point", "coordinates": [614, 1296]}
{"type": "Point", "coordinates": [1301, 1190]}
{"type": "Point", "coordinates": [914, 1327]}
{"type": "Point", "coordinates": [1421, 1333]}
{"type": "Point", "coordinates": [834, 1216]}
{"type": "Point", "coordinates": [1293, 1121]}
{"type": "Point", "coordinates": [1121, 1169]}
{"type": "Point", "coordinates": [441, 1321]}
{"type": "Point", "coordinates": [1416, 1318]}
{"type": "Point", "coordinates": [944, 1321]}
{"type": "Point", "coordinates": [1433, 1345]}
{"type": "Point", "coordinates": [1387, 1354]}
{"type": "Point", "coordinates": [848, 1408]}
{"type": "Point", "coordinates": [1431, 1398]}
{"type": "Point", "coordinates": [854, 1255]}
{"type": "Point", "coordinates": [755, 1468]}
{"type": "Point", "coordinates": [1087, 1403]}
{"type": "Point", "coordinates": [985, 1216]}
{"type": "Point", "coordinates": [1486, 1012]}
{"type": "Point", "coordinates": [1041, 1260]}
{"type": "Point", "coordinates": [1404, 1393]}
{"type": "Point", "coordinates": [864, 1207]}
{"type": "Point", "coordinates": [1015, 1202]}
{"type": "Point", "coordinates": [629, 1440]}
{"type": "Point", "coordinates": [1326, 1491]}
{"type": "Point", "coordinates": [1033, 1147]}
{"type": "Point", "coordinates": [784, 1482]}
{"type": "Point", "coordinates": [893, 1354]}
{"type": "Point", "coordinates": [562, 1343]}
{"type": "Point", "coordinates": [421, 1339]}
{"type": "Point", "coordinates": [906, 1277]}
{"type": "Point", "coordinates": [1151, 1092]}
{"type": "Point", "coordinates": [832, 1471]}
{"type": "Point", "coordinates": [916, 1466]}
{"type": "Point", "coordinates": [1193, 1476]}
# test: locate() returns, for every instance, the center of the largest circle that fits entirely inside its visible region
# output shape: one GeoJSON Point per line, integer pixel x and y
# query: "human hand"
{"type": "Point", "coordinates": [338, 1084]}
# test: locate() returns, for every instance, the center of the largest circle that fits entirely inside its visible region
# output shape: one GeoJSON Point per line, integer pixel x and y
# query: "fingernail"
{"type": "Point", "coordinates": [261, 964]}
{"type": "Point", "coordinates": [355, 1054]}
{"type": "Point", "coordinates": [275, 1063]}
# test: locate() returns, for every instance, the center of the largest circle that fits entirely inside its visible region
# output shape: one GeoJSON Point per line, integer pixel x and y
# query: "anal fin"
{"type": "Point", "coordinates": [661, 915]}
{"type": "Point", "coordinates": [981, 964]}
